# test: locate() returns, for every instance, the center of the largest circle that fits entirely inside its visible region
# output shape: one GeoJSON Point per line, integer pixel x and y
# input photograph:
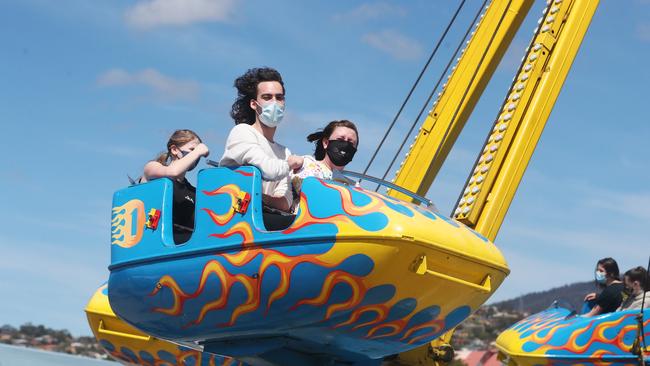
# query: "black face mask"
{"type": "Point", "coordinates": [196, 162]}
{"type": "Point", "coordinates": [340, 152]}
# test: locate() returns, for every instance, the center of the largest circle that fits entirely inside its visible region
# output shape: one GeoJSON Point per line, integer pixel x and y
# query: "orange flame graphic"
{"type": "Point", "coordinates": [436, 326]}
{"type": "Point", "coordinates": [229, 189]}
{"type": "Point", "coordinates": [331, 280]}
{"type": "Point", "coordinates": [123, 222]}
{"type": "Point", "coordinates": [241, 228]}
{"type": "Point", "coordinates": [380, 309]}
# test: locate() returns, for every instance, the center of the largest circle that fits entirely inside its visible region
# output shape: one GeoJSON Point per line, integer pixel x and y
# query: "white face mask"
{"type": "Point", "coordinates": [272, 113]}
{"type": "Point", "coordinates": [600, 277]}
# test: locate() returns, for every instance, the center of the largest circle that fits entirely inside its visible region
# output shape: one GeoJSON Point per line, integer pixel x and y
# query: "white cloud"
{"type": "Point", "coordinates": [395, 44]}
{"type": "Point", "coordinates": [632, 205]}
{"type": "Point", "coordinates": [162, 85]}
{"type": "Point", "coordinates": [155, 13]}
{"type": "Point", "coordinates": [370, 11]}
{"type": "Point", "coordinates": [643, 31]}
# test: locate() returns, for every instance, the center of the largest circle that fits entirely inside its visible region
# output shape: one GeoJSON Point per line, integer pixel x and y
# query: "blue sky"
{"type": "Point", "coordinates": [89, 91]}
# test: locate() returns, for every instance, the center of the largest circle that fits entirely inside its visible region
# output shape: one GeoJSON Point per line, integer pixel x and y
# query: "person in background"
{"type": "Point", "coordinates": [335, 147]}
{"type": "Point", "coordinates": [637, 284]}
{"type": "Point", "coordinates": [257, 112]}
{"type": "Point", "coordinates": [610, 298]}
{"type": "Point", "coordinates": [184, 149]}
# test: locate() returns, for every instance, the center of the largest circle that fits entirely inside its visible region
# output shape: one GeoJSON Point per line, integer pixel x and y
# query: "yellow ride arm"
{"type": "Point", "coordinates": [455, 103]}
{"type": "Point", "coordinates": [496, 175]}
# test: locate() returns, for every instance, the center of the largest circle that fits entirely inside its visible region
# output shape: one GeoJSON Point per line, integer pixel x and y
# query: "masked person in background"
{"type": "Point", "coordinates": [637, 285]}
{"type": "Point", "coordinates": [184, 149]}
{"type": "Point", "coordinates": [612, 294]}
{"type": "Point", "coordinates": [336, 145]}
{"type": "Point", "coordinates": [257, 112]}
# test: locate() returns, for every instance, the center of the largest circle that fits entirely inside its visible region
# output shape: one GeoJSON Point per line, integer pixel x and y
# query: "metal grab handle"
{"type": "Point", "coordinates": [390, 185]}
{"type": "Point", "coordinates": [101, 329]}
{"type": "Point", "coordinates": [419, 266]}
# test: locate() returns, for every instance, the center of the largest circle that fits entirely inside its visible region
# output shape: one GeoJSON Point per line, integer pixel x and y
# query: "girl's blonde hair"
{"type": "Point", "coordinates": [178, 139]}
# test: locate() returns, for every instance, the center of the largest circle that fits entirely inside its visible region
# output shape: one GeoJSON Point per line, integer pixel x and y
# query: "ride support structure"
{"type": "Point", "coordinates": [491, 186]}
{"type": "Point", "coordinates": [498, 170]}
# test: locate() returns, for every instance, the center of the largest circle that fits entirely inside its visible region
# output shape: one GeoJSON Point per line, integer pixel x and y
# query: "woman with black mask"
{"type": "Point", "coordinates": [336, 145]}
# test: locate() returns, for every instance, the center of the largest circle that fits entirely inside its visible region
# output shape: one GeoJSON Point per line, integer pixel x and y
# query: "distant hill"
{"type": "Point", "coordinates": [537, 301]}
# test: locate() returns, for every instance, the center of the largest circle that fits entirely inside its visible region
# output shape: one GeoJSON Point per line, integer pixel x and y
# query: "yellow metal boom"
{"type": "Point", "coordinates": [496, 175]}
{"type": "Point", "coordinates": [455, 103]}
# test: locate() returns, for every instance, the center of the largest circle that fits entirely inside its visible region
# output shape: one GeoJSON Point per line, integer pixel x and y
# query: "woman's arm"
{"type": "Point", "coordinates": [177, 167]}
{"type": "Point", "coordinates": [596, 310]}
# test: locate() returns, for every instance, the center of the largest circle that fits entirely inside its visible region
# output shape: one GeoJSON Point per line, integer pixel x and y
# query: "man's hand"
{"type": "Point", "coordinates": [295, 162]}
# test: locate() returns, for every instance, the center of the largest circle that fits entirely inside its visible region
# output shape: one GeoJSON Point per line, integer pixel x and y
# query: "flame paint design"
{"type": "Point", "coordinates": [305, 218]}
{"type": "Point", "coordinates": [122, 224]}
{"type": "Point", "coordinates": [436, 326]}
{"type": "Point", "coordinates": [334, 278]}
{"type": "Point", "coordinates": [396, 319]}
{"type": "Point", "coordinates": [168, 355]}
{"type": "Point", "coordinates": [241, 228]}
{"type": "Point", "coordinates": [229, 189]}
{"type": "Point", "coordinates": [270, 258]}
{"type": "Point", "coordinates": [381, 310]}
{"type": "Point", "coordinates": [545, 333]}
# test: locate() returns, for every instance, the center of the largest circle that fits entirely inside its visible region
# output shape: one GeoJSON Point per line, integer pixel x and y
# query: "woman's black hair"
{"type": "Point", "coordinates": [611, 267]}
{"type": "Point", "coordinates": [246, 86]}
{"type": "Point", "coordinates": [318, 136]}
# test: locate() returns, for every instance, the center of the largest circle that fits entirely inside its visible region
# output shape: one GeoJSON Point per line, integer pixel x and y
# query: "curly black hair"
{"type": "Point", "coordinates": [246, 86]}
{"type": "Point", "coordinates": [318, 136]}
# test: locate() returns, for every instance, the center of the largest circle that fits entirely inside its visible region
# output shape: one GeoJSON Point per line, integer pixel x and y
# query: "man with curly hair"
{"type": "Point", "coordinates": [257, 112]}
